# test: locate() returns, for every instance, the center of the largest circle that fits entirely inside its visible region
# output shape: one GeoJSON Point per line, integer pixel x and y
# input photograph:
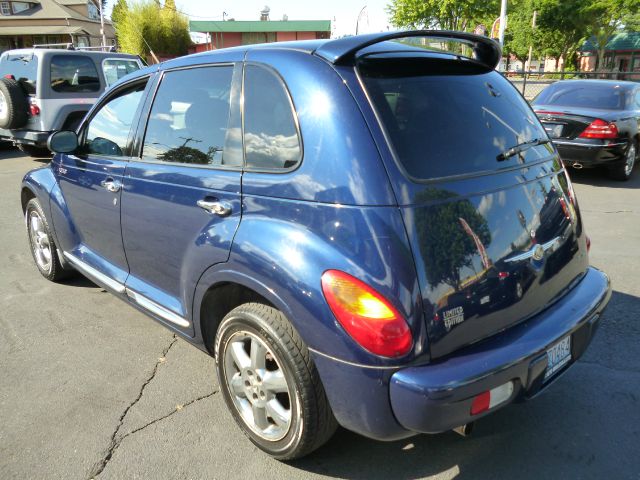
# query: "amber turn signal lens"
{"type": "Point", "coordinates": [366, 316]}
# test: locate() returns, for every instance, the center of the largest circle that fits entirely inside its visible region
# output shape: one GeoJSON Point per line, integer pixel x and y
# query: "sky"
{"type": "Point", "coordinates": [345, 12]}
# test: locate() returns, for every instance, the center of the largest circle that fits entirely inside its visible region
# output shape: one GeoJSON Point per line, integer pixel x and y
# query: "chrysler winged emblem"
{"type": "Point", "coordinates": [536, 252]}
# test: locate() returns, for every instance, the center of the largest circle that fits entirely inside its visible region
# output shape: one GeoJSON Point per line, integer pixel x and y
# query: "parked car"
{"type": "Point", "coordinates": [593, 123]}
{"type": "Point", "coordinates": [303, 211]}
{"type": "Point", "coordinates": [48, 89]}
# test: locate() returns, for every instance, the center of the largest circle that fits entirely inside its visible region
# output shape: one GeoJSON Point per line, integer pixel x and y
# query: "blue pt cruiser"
{"type": "Point", "coordinates": [373, 232]}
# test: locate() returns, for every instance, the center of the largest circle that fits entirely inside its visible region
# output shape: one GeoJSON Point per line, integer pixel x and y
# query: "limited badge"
{"type": "Point", "coordinates": [453, 317]}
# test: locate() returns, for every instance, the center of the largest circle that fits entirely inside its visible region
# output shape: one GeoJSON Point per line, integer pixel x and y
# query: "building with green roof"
{"type": "Point", "coordinates": [622, 53]}
{"type": "Point", "coordinates": [231, 33]}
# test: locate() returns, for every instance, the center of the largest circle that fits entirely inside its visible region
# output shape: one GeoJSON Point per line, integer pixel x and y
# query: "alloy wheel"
{"type": "Point", "coordinates": [258, 385]}
{"type": "Point", "coordinates": [40, 242]}
{"type": "Point", "coordinates": [630, 160]}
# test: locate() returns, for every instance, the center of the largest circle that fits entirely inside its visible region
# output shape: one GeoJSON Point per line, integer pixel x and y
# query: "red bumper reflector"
{"type": "Point", "coordinates": [34, 110]}
{"type": "Point", "coordinates": [481, 403]}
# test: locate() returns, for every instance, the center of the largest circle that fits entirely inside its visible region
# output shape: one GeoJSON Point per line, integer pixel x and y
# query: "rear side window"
{"type": "Point", "coordinates": [271, 139]}
{"type": "Point", "coordinates": [448, 124]}
{"type": "Point", "coordinates": [114, 69]}
{"type": "Point", "coordinates": [24, 69]}
{"type": "Point", "coordinates": [73, 73]}
{"type": "Point", "coordinates": [189, 117]}
{"type": "Point", "coordinates": [606, 95]}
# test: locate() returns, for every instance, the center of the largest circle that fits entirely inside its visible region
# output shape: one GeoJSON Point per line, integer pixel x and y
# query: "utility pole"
{"type": "Point", "coordinates": [533, 27]}
{"type": "Point", "coordinates": [503, 22]}
{"type": "Point", "coordinates": [104, 37]}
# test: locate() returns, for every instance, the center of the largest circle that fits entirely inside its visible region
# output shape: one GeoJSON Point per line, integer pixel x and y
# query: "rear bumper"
{"type": "Point", "coordinates": [438, 397]}
{"type": "Point", "coordinates": [29, 137]}
{"type": "Point", "coordinates": [588, 154]}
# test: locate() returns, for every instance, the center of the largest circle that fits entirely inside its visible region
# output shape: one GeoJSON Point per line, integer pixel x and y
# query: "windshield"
{"type": "Point", "coordinates": [453, 124]}
{"type": "Point", "coordinates": [605, 96]}
{"type": "Point", "coordinates": [116, 68]}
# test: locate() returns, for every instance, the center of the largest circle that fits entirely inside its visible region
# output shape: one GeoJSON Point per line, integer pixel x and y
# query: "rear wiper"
{"type": "Point", "coordinates": [521, 148]}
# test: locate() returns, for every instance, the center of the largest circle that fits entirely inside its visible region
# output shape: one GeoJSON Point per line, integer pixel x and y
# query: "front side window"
{"type": "Point", "coordinates": [108, 130]}
{"type": "Point", "coordinates": [189, 117]}
{"type": "Point", "coordinates": [114, 69]}
{"type": "Point", "coordinates": [73, 73]}
{"type": "Point", "coordinates": [271, 138]}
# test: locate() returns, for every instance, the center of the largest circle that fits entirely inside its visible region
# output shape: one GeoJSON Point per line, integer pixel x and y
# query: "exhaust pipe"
{"type": "Point", "coordinates": [577, 165]}
{"type": "Point", "coordinates": [464, 430]}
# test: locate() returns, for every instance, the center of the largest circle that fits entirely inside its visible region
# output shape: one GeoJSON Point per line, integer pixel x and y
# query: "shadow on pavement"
{"type": "Point", "coordinates": [578, 428]}
{"type": "Point", "coordinates": [599, 177]}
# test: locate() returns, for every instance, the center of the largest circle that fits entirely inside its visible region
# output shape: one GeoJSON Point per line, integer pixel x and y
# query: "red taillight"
{"type": "Point", "coordinates": [366, 316]}
{"type": "Point", "coordinates": [481, 403]}
{"type": "Point", "coordinates": [600, 129]}
{"type": "Point", "coordinates": [588, 243]}
{"type": "Point", "coordinates": [34, 110]}
{"type": "Point", "coordinates": [503, 275]}
{"type": "Point", "coordinates": [9, 76]}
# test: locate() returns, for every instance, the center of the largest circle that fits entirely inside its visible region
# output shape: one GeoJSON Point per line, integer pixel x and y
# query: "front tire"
{"type": "Point", "coordinates": [270, 383]}
{"type": "Point", "coordinates": [43, 248]}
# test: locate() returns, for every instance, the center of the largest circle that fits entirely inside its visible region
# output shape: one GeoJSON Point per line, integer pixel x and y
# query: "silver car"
{"type": "Point", "coordinates": [48, 89]}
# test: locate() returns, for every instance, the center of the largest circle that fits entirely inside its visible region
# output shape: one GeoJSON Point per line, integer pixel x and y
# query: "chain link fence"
{"type": "Point", "coordinates": [530, 84]}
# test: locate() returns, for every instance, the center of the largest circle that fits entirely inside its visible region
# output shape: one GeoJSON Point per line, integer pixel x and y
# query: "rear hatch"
{"type": "Point", "coordinates": [489, 211]}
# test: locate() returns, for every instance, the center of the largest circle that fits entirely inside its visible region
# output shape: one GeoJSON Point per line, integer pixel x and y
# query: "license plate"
{"type": "Point", "coordinates": [558, 356]}
{"type": "Point", "coordinates": [554, 130]}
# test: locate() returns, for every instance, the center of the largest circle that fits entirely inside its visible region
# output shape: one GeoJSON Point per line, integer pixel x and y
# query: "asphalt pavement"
{"type": "Point", "coordinates": [91, 388]}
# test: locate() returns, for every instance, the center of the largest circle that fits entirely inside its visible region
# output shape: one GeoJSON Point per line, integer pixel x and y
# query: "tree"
{"type": "Point", "coordinates": [147, 25]}
{"type": "Point", "coordinates": [445, 245]}
{"type": "Point", "coordinates": [120, 11]}
{"type": "Point", "coordinates": [519, 32]}
{"type": "Point", "coordinates": [562, 27]}
{"type": "Point", "coordinates": [442, 14]}
{"type": "Point", "coordinates": [608, 16]}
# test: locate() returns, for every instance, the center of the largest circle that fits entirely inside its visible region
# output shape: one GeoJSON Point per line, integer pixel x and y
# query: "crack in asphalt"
{"type": "Point", "coordinates": [115, 442]}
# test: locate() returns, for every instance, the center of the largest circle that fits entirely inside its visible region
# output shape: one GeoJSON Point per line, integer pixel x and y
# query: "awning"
{"type": "Point", "coordinates": [40, 30]}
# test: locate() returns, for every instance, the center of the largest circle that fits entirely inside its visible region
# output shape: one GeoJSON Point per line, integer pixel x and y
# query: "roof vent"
{"type": "Point", "coordinates": [264, 13]}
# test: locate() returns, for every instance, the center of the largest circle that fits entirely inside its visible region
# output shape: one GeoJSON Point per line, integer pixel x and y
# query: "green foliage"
{"type": "Point", "coordinates": [147, 24]}
{"type": "Point", "coordinates": [563, 25]}
{"type": "Point", "coordinates": [120, 10]}
{"type": "Point", "coordinates": [519, 32]}
{"type": "Point", "coordinates": [446, 247]}
{"type": "Point", "coordinates": [444, 14]}
{"type": "Point", "coordinates": [608, 16]}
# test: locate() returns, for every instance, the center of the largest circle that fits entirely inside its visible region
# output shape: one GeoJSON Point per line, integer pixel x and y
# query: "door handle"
{"type": "Point", "coordinates": [215, 207]}
{"type": "Point", "coordinates": [111, 185]}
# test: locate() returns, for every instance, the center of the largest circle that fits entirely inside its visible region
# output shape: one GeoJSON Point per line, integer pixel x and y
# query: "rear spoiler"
{"type": "Point", "coordinates": [343, 51]}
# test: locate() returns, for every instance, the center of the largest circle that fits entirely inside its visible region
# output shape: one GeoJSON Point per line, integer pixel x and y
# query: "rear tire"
{"type": "Point", "coordinates": [13, 104]}
{"type": "Point", "coordinates": [33, 151]}
{"type": "Point", "coordinates": [624, 171]}
{"type": "Point", "coordinates": [43, 248]}
{"type": "Point", "coordinates": [270, 384]}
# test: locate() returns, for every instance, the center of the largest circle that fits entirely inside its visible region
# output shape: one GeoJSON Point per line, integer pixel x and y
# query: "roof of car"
{"type": "Point", "coordinates": [40, 51]}
{"type": "Point", "coordinates": [590, 81]}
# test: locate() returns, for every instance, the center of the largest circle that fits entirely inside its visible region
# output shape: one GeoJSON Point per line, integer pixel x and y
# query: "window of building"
{"type": "Point", "coordinates": [93, 11]}
{"type": "Point", "coordinates": [271, 139]}
{"type": "Point", "coordinates": [19, 6]}
{"type": "Point", "coordinates": [5, 8]}
{"type": "Point", "coordinates": [189, 125]}
{"type": "Point", "coordinates": [108, 130]}
{"type": "Point", "coordinates": [74, 74]}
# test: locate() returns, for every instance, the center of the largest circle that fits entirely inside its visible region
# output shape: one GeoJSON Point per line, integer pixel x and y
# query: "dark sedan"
{"type": "Point", "coordinates": [593, 123]}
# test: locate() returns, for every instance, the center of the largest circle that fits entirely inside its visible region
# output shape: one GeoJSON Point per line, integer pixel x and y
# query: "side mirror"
{"type": "Point", "coordinates": [63, 141]}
